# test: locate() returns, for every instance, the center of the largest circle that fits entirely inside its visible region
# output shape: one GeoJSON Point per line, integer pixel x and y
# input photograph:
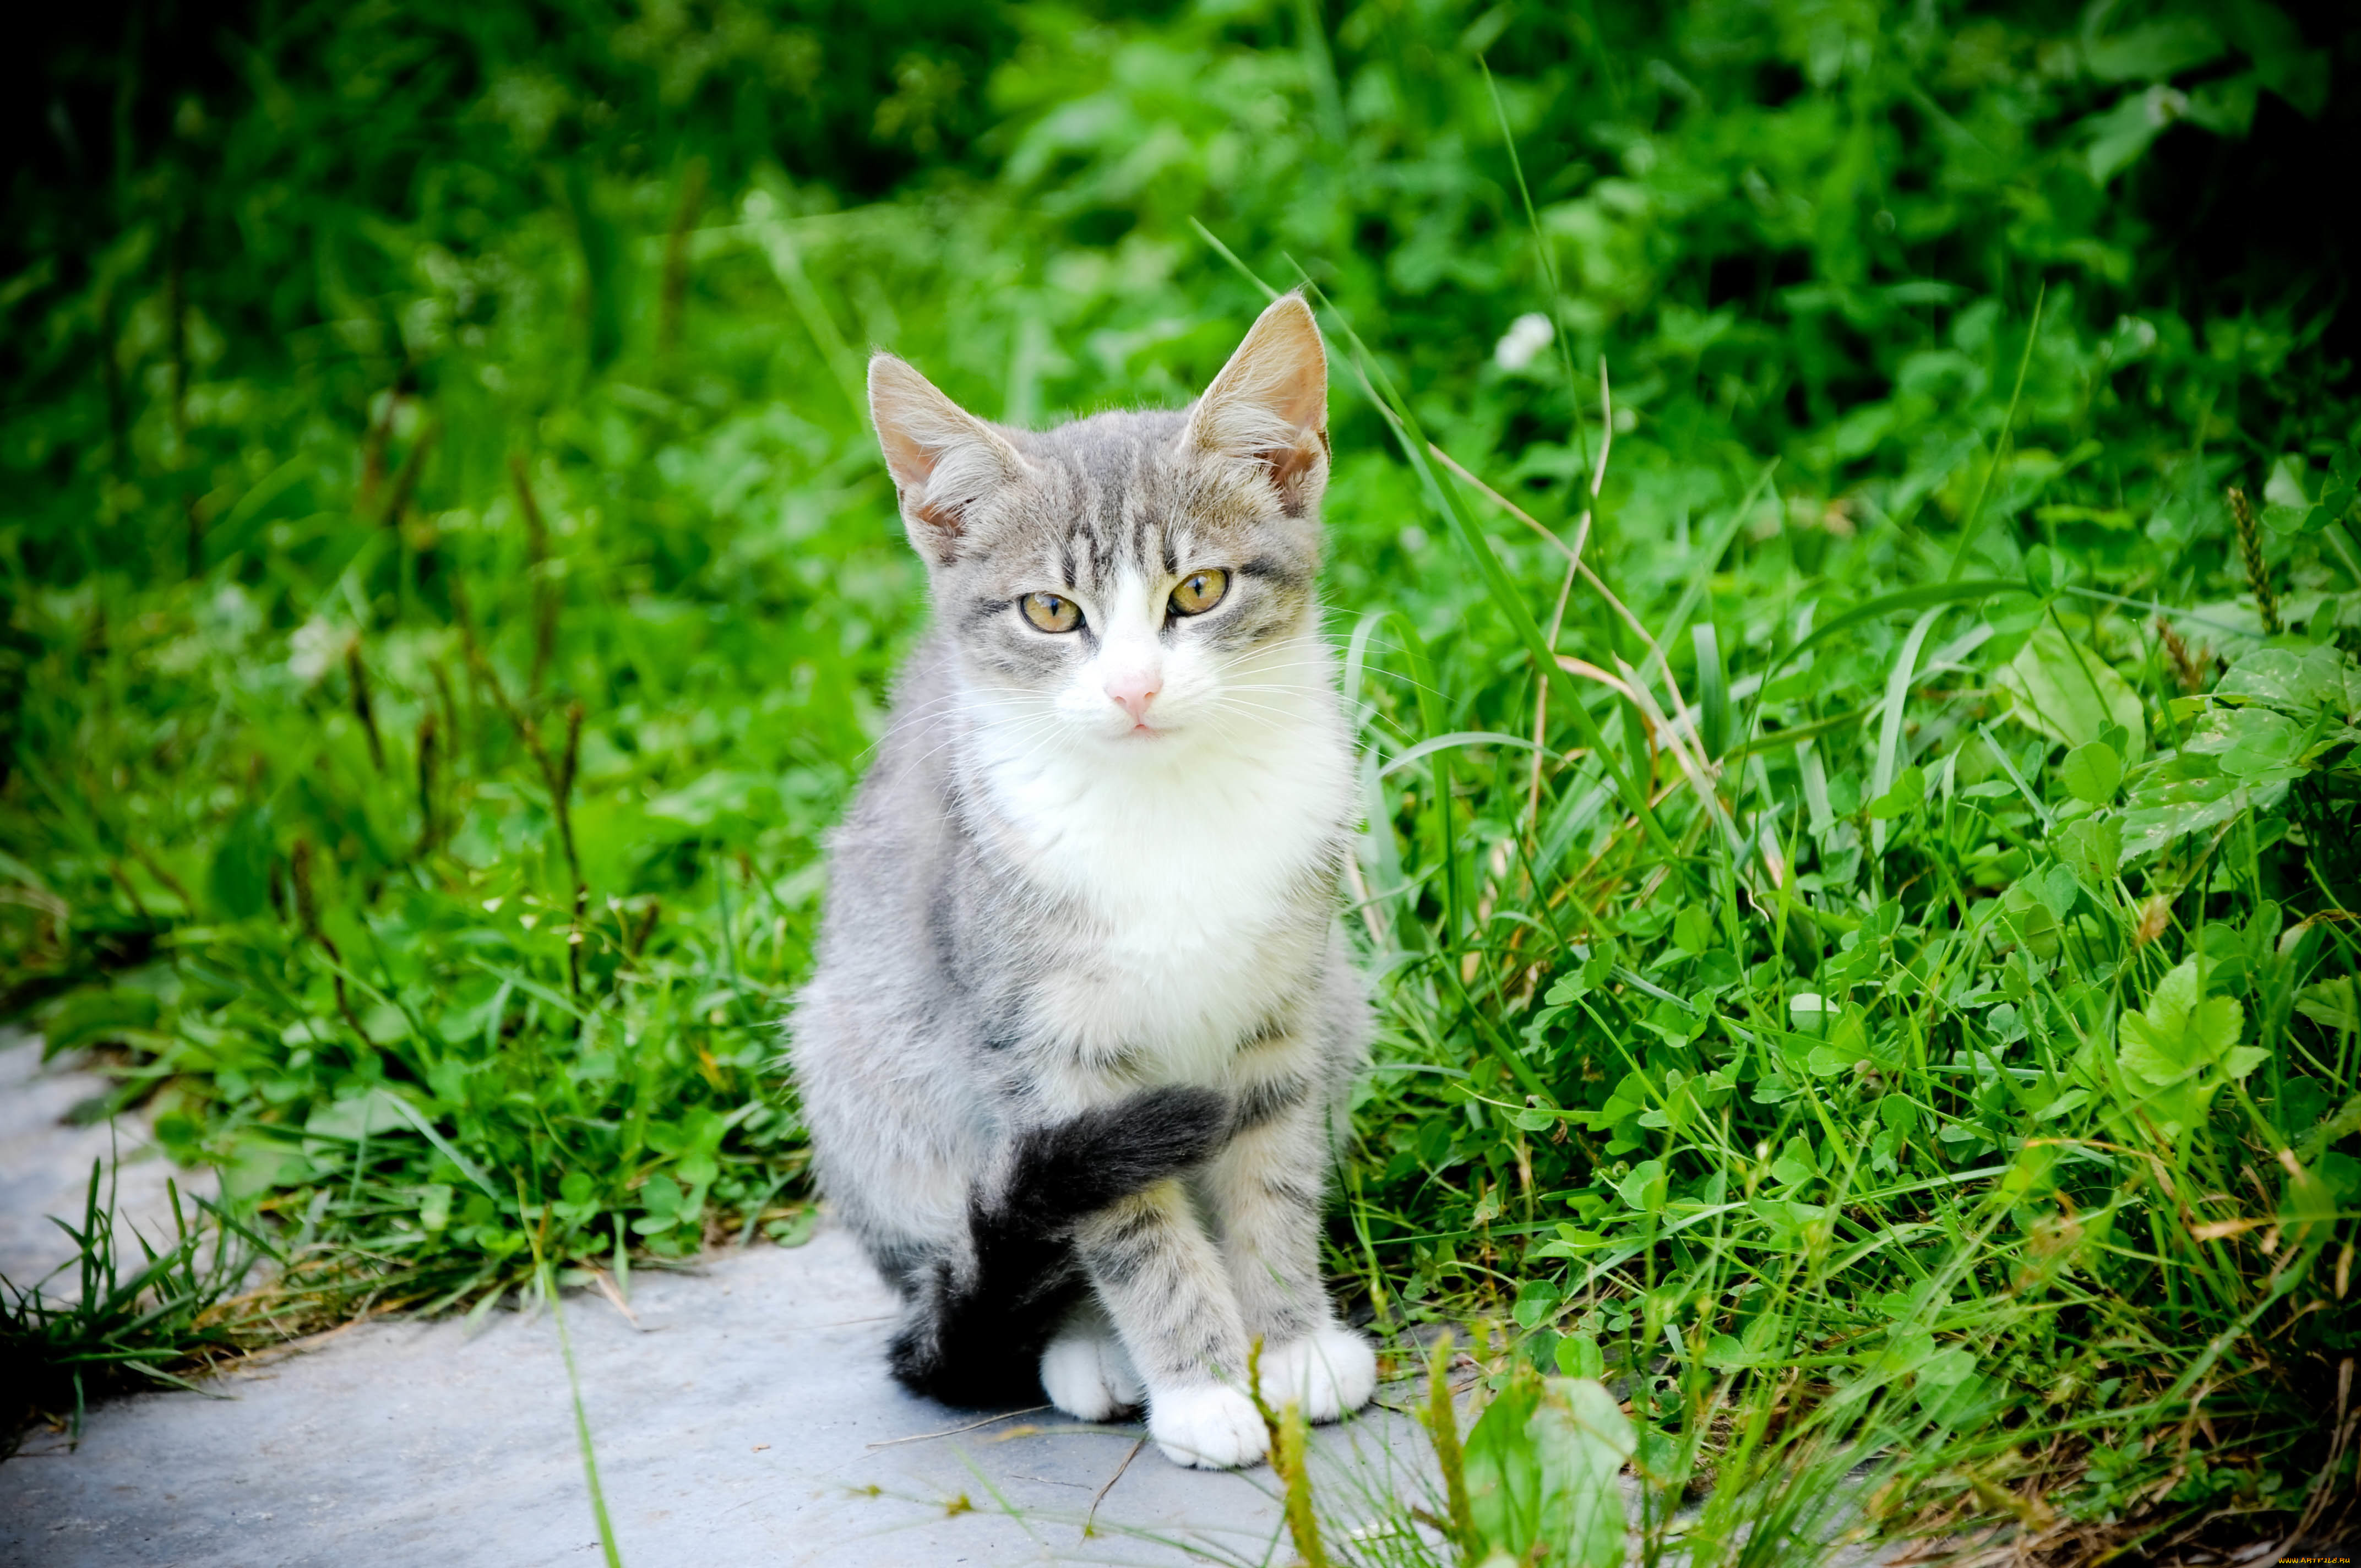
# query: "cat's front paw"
{"type": "Point", "coordinates": [1329, 1372]}
{"type": "Point", "coordinates": [1211, 1426]}
{"type": "Point", "coordinates": [1088, 1376]}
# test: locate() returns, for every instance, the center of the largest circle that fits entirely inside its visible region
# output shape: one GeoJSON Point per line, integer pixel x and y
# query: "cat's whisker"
{"type": "Point", "coordinates": [933, 707]}
{"type": "Point", "coordinates": [1250, 698]}
{"type": "Point", "coordinates": [1284, 716]}
{"type": "Point", "coordinates": [1324, 660]}
{"type": "Point", "coordinates": [951, 719]}
{"type": "Point", "coordinates": [1273, 686]}
{"type": "Point", "coordinates": [1041, 726]}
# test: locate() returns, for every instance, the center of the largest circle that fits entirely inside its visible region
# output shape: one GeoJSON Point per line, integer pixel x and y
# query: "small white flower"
{"type": "Point", "coordinates": [235, 612]}
{"type": "Point", "coordinates": [315, 646]}
{"type": "Point", "coordinates": [1526, 336]}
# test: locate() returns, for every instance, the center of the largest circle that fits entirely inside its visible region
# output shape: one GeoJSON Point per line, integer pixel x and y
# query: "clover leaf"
{"type": "Point", "coordinates": [2181, 1031]}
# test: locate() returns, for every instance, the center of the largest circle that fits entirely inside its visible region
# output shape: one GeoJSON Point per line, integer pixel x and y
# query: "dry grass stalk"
{"type": "Point", "coordinates": [405, 483]}
{"type": "Point", "coordinates": [1441, 1420]}
{"type": "Point", "coordinates": [426, 759]}
{"type": "Point", "coordinates": [1288, 1433]}
{"type": "Point", "coordinates": [373, 443]}
{"type": "Point", "coordinates": [357, 674]}
{"type": "Point", "coordinates": [649, 915]}
{"type": "Point", "coordinates": [544, 597]}
{"type": "Point", "coordinates": [558, 773]}
{"type": "Point", "coordinates": [673, 298]}
{"type": "Point", "coordinates": [307, 914]}
{"type": "Point", "coordinates": [2187, 669]}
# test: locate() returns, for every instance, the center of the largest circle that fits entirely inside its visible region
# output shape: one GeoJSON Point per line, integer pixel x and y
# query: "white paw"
{"type": "Point", "coordinates": [1088, 1376]}
{"type": "Point", "coordinates": [1329, 1372]}
{"type": "Point", "coordinates": [1210, 1425]}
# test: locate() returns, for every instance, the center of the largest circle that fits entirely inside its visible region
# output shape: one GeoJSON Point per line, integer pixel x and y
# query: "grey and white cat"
{"type": "Point", "coordinates": [1083, 1019]}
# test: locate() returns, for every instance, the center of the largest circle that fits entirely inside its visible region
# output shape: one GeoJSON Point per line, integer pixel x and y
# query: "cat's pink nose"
{"type": "Point", "coordinates": [1133, 691]}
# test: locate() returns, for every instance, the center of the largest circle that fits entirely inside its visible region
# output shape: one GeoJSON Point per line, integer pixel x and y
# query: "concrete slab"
{"type": "Point", "coordinates": [745, 1416]}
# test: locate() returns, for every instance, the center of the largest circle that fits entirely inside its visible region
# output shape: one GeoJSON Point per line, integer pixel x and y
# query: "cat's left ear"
{"type": "Point", "coordinates": [1270, 403]}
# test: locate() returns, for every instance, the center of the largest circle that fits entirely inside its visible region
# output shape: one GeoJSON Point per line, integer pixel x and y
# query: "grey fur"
{"type": "Point", "coordinates": [963, 965]}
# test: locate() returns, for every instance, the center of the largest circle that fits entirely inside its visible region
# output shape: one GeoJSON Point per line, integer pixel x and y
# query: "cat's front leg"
{"type": "Point", "coordinates": [1163, 1283]}
{"type": "Point", "coordinates": [1266, 1190]}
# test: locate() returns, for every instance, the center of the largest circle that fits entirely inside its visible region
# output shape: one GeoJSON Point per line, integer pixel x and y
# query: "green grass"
{"type": "Point", "coordinates": [116, 1323]}
{"type": "Point", "coordinates": [1863, 955]}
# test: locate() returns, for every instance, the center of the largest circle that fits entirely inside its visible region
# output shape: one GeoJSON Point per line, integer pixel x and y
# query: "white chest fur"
{"type": "Point", "coordinates": [1197, 860]}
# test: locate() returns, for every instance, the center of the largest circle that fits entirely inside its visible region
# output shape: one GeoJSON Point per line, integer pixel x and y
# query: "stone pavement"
{"type": "Point", "coordinates": [45, 1162]}
{"type": "Point", "coordinates": [745, 1417]}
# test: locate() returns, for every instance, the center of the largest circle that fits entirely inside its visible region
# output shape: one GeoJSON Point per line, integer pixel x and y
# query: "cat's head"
{"type": "Point", "coordinates": [1129, 577]}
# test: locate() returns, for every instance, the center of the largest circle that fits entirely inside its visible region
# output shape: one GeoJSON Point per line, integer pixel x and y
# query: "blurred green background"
{"type": "Point", "coordinates": [451, 590]}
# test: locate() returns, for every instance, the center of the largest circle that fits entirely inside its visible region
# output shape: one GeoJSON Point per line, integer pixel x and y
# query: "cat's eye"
{"type": "Point", "coordinates": [1200, 591]}
{"type": "Point", "coordinates": [1052, 612]}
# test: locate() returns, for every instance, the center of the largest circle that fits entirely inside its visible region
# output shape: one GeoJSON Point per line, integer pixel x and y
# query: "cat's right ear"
{"type": "Point", "coordinates": [944, 460]}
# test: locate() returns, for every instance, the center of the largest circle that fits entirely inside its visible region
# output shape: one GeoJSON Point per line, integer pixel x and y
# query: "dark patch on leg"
{"type": "Point", "coordinates": [1262, 1033]}
{"type": "Point", "coordinates": [1116, 1268]}
{"type": "Point", "coordinates": [1126, 1233]}
{"type": "Point", "coordinates": [1288, 1191]}
{"type": "Point", "coordinates": [1268, 1100]}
